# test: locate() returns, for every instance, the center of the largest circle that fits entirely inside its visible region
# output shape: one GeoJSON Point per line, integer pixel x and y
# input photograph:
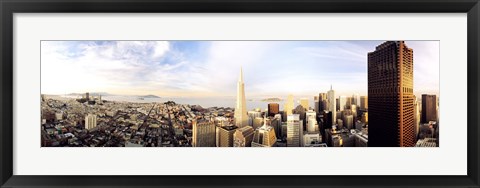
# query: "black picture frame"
{"type": "Point", "coordinates": [9, 7]}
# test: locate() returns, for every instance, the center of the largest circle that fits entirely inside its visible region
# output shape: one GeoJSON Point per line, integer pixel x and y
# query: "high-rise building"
{"type": "Point", "coordinates": [356, 99]}
{"type": "Point", "coordinates": [257, 123]}
{"type": "Point", "coordinates": [349, 102]}
{"type": "Point", "coordinates": [343, 102]}
{"type": "Point", "coordinates": [322, 102]}
{"type": "Point", "coordinates": [225, 136]}
{"type": "Point", "coordinates": [326, 123]}
{"type": "Point", "coordinates": [289, 105]}
{"type": "Point", "coordinates": [353, 108]}
{"type": "Point", "coordinates": [294, 130]}
{"type": "Point", "coordinates": [316, 103]}
{"type": "Point", "coordinates": [203, 133]}
{"type": "Point", "coordinates": [332, 106]}
{"type": "Point", "coordinates": [90, 121]}
{"type": "Point", "coordinates": [348, 121]}
{"type": "Point", "coordinates": [252, 115]}
{"type": "Point", "coordinates": [243, 137]}
{"type": "Point", "coordinates": [301, 112]}
{"type": "Point", "coordinates": [276, 123]}
{"type": "Point", "coordinates": [363, 102]}
{"type": "Point", "coordinates": [264, 136]}
{"type": "Point", "coordinates": [312, 126]}
{"type": "Point", "coordinates": [390, 95]}
{"type": "Point", "coordinates": [87, 96]}
{"type": "Point", "coordinates": [416, 110]}
{"type": "Point", "coordinates": [273, 108]}
{"type": "Point", "coordinates": [338, 104]}
{"type": "Point", "coordinates": [240, 115]}
{"type": "Point", "coordinates": [429, 108]}
{"type": "Point", "coordinates": [304, 103]}
{"type": "Point", "coordinates": [311, 118]}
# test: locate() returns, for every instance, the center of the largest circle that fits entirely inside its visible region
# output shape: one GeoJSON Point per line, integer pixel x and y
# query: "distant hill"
{"type": "Point", "coordinates": [92, 94]}
{"type": "Point", "coordinates": [271, 100]}
{"type": "Point", "coordinates": [149, 96]}
{"type": "Point", "coordinates": [108, 94]}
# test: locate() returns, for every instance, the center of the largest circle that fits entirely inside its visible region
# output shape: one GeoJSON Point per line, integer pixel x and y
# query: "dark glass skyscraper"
{"type": "Point", "coordinates": [390, 96]}
{"type": "Point", "coordinates": [429, 108]}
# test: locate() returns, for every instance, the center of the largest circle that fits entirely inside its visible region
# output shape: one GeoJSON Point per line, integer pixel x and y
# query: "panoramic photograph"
{"type": "Point", "coordinates": [240, 93]}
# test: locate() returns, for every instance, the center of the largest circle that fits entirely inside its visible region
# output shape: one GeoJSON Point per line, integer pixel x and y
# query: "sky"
{"type": "Point", "coordinates": [211, 68]}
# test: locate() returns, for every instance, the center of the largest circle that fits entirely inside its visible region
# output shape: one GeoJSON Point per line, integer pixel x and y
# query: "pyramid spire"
{"type": "Point", "coordinates": [240, 115]}
{"type": "Point", "coordinates": [240, 78]}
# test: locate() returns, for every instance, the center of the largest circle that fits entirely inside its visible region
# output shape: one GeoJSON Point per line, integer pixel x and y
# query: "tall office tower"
{"type": "Point", "coordinates": [390, 93]}
{"type": "Point", "coordinates": [243, 137]}
{"type": "Point", "coordinates": [343, 102]}
{"type": "Point", "coordinates": [301, 112]}
{"type": "Point", "coordinates": [90, 121]}
{"type": "Point", "coordinates": [356, 99]}
{"type": "Point", "coordinates": [225, 136]}
{"type": "Point", "coordinates": [264, 136]}
{"type": "Point", "coordinates": [354, 112]}
{"type": "Point", "coordinates": [252, 115]}
{"type": "Point", "coordinates": [312, 124]}
{"type": "Point", "coordinates": [304, 103]}
{"type": "Point", "coordinates": [348, 122]}
{"type": "Point", "coordinates": [276, 123]}
{"type": "Point", "coordinates": [326, 123]}
{"type": "Point", "coordinates": [316, 103]}
{"type": "Point", "coordinates": [363, 102]}
{"type": "Point", "coordinates": [240, 116]}
{"type": "Point", "coordinates": [349, 102]}
{"type": "Point", "coordinates": [429, 108]}
{"type": "Point", "coordinates": [294, 130]}
{"type": "Point", "coordinates": [416, 117]}
{"type": "Point", "coordinates": [338, 104]}
{"type": "Point", "coordinates": [322, 100]}
{"type": "Point", "coordinates": [311, 118]}
{"type": "Point", "coordinates": [289, 105]}
{"type": "Point", "coordinates": [273, 108]}
{"type": "Point", "coordinates": [203, 133]}
{"type": "Point", "coordinates": [332, 106]}
{"type": "Point", "coordinates": [87, 96]}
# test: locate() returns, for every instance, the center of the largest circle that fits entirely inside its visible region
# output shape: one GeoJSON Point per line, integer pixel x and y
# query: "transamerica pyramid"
{"type": "Point", "coordinates": [241, 118]}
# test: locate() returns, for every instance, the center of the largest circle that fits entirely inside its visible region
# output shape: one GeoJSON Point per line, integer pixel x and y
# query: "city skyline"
{"type": "Point", "coordinates": [389, 115]}
{"type": "Point", "coordinates": [206, 68]}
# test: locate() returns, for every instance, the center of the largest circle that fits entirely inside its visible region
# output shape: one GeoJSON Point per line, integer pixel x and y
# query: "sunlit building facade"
{"type": "Point", "coordinates": [90, 121]}
{"type": "Point", "coordinates": [203, 133]}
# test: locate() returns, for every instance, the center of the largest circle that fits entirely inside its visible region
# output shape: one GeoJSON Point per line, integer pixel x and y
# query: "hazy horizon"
{"type": "Point", "coordinates": [211, 68]}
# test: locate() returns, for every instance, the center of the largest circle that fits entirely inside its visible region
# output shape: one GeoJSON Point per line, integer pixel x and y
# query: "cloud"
{"type": "Point", "coordinates": [211, 68]}
{"type": "Point", "coordinates": [79, 66]}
